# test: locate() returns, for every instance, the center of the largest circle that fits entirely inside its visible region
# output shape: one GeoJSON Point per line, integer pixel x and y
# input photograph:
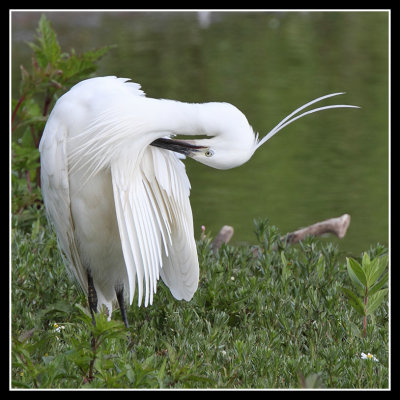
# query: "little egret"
{"type": "Point", "coordinates": [117, 193]}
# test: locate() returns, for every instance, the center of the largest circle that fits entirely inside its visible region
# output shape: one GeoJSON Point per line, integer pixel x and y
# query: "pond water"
{"type": "Point", "coordinates": [267, 64]}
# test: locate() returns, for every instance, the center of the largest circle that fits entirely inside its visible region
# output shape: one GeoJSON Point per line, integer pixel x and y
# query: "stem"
{"type": "Point", "coordinates": [365, 311]}
{"type": "Point", "coordinates": [91, 364]}
{"type": "Point", "coordinates": [47, 102]}
{"type": "Point", "coordinates": [14, 113]}
{"type": "Point", "coordinates": [36, 141]}
{"type": "Point", "coordinates": [28, 181]}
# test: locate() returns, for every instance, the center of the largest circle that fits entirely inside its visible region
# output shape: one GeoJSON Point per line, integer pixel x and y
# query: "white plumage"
{"type": "Point", "coordinates": [118, 208]}
{"type": "Point", "coordinates": [117, 195]}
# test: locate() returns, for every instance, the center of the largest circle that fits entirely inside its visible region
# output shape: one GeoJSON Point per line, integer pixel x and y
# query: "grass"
{"type": "Point", "coordinates": [264, 316]}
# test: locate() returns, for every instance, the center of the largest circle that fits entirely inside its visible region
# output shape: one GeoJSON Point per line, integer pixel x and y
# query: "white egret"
{"type": "Point", "coordinates": [117, 193]}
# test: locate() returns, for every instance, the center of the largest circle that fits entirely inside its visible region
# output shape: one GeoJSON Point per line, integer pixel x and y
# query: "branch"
{"type": "Point", "coordinates": [17, 106]}
{"type": "Point", "coordinates": [337, 226]}
{"type": "Point", "coordinates": [224, 236]}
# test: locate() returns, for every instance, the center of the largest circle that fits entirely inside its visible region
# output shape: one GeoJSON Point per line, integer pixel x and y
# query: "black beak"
{"type": "Point", "coordinates": [179, 146]}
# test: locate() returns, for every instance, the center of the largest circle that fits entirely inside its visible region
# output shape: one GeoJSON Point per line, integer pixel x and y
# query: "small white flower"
{"type": "Point", "coordinates": [57, 328]}
{"type": "Point", "coordinates": [368, 356]}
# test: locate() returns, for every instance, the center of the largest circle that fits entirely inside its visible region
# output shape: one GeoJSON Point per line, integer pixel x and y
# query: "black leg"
{"type": "Point", "coordinates": [92, 297]}
{"type": "Point", "coordinates": [120, 298]}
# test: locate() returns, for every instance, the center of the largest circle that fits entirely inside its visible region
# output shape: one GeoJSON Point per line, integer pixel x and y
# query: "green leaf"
{"type": "Point", "coordinates": [285, 268]}
{"type": "Point", "coordinates": [76, 67]}
{"type": "Point", "coordinates": [376, 269]}
{"type": "Point", "coordinates": [379, 285]}
{"type": "Point", "coordinates": [49, 50]}
{"type": "Point", "coordinates": [375, 300]}
{"type": "Point", "coordinates": [355, 330]}
{"type": "Point", "coordinates": [354, 301]}
{"type": "Point", "coordinates": [161, 373]}
{"type": "Point", "coordinates": [283, 258]}
{"type": "Point", "coordinates": [320, 266]}
{"type": "Point", "coordinates": [365, 261]}
{"type": "Point", "coordinates": [356, 273]}
{"type": "Point", "coordinates": [312, 381]}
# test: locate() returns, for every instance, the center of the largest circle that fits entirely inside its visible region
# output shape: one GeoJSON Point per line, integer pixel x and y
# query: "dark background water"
{"type": "Point", "coordinates": [267, 64]}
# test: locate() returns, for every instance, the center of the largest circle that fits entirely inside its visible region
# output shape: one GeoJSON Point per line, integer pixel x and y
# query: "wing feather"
{"type": "Point", "coordinates": [56, 195]}
{"type": "Point", "coordinates": [145, 244]}
{"type": "Point", "coordinates": [129, 256]}
{"type": "Point", "coordinates": [155, 224]}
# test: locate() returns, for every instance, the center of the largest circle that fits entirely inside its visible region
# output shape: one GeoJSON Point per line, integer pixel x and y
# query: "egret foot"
{"type": "Point", "coordinates": [92, 297]}
{"type": "Point", "coordinates": [120, 298]}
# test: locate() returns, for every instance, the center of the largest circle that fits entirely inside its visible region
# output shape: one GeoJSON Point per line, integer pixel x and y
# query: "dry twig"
{"type": "Point", "coordinates": [224, 236]}
{"type": "Point", "coordinates": [337, 226]}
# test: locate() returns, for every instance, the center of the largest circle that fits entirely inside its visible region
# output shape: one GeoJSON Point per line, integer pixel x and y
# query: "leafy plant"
{"type": "Point", "coordinates": [249, 325]}
{"type": "Point", "coordinates": [370, 291]}
{"type": "Point", "coordinates": [53, 72]}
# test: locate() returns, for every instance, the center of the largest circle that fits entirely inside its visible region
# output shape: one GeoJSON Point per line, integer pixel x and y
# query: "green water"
{"type": "Point", "coordinates": [267, 64]}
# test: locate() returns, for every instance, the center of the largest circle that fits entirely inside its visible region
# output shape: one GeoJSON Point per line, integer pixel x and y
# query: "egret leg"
{"type": "Point", "coordinates": [120, 298]}
{"type": "Point", "coordinates": [92, 297]}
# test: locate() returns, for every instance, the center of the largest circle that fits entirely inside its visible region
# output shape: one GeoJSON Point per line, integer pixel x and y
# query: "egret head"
{"type": "Point", "coordinates": [232, 141]}
{"type": "Point", "coordinates": [213, 153]}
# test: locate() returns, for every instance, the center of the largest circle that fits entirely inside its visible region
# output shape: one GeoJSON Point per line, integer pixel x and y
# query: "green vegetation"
{"type": "Point", "coordinates": [365, 279]}
{"type": "Point", "coordinates": [264, 316]}
{"type": "Point", "coordinates": [261, 318]}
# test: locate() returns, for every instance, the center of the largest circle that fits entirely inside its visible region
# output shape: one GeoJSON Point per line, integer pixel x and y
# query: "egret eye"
{"type": "Point", "coordinates": [209, 153]}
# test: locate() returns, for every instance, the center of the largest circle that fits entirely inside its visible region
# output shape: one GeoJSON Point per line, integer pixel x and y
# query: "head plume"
{"type": "Point", "coordinates": [288, 120]}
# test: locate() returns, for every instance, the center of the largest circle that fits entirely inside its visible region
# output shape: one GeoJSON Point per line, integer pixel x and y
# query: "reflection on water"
{"type": "Point", "coordinates": [267, 64]}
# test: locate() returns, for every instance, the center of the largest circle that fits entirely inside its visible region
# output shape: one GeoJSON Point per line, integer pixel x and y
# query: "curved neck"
{"type": "Point", "coordinates": [221, 121]}
{"type": "Point", "coordinates": [174, 117]}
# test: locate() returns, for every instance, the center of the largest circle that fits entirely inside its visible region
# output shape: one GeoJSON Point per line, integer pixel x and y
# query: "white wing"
{"type": "Point", "coordinates": [155, 224]}
{"type": "Point", "coordinates": [150, 187]}
{"type": "Point", "coordinates": [56, 196]}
